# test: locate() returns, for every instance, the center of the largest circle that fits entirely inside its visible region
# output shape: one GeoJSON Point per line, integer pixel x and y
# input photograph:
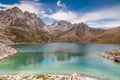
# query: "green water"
{"type": "Point", "coordinates": [62, 58]}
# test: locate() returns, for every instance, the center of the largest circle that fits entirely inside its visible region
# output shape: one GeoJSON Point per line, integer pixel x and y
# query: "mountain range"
{"type": "Point", "coordinates": [24, 27]}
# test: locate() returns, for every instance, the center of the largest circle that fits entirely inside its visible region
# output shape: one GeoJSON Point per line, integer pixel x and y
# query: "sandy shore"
{"type": "Point", "coordinates": [74, 76]}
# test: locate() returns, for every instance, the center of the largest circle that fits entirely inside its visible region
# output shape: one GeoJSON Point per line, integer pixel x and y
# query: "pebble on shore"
{"type": "Point", "coordinates": [74, 76]}
{"type": "Point", "coordinates": [6, 51]}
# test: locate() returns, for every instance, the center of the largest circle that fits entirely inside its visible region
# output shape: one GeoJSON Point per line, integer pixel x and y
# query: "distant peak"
{"type": "Point", "coordinates": [82, 23]}
{"type": "Point", "coordinates": [64, 21]}
{"type": "Point", "coordinates": [16, 9]}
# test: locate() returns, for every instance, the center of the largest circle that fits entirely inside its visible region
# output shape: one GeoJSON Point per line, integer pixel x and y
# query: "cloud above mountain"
{"type": "Point", "coordinates": [103, 15]}
{"type": "Point", "coordinates": [108, 17]}
{"type": "Point", "coordinates": [63, 15]}
{"type": "Point", "coordinates": [31, 6]}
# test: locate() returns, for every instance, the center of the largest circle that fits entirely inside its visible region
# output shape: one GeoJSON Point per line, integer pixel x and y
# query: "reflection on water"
{"type": "Point", "coordinates": [62, 58]}
{"type": "Point", "coordinates": [24, 59]}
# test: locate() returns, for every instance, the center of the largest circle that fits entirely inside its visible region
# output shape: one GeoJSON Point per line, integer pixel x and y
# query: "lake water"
{"type": "Point", "coordinates": [62, 58]}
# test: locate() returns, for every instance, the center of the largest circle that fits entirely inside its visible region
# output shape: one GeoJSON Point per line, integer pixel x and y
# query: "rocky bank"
{"type": "Point", "coordinates": [112, 55]}
{"type": "Point", "coordinates": [74, 76]}
{"type": "Point", "coordinates": [6, 51]}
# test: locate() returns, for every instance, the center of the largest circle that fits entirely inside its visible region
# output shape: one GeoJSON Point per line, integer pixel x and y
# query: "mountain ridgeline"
{"type": "Point", "coordinates": [24, 27]}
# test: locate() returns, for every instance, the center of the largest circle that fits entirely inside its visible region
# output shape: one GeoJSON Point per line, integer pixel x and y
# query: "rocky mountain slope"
{"type": "Point", "coordinates": [83, 33]}
{"type": "Point", "coordinates": [5, 34]}
{"type": "Point", "coordinates": [24, 27]}
{"type": "Point", "coordinates": [15, 17]}
{"type": "Point", "coordinates": [79, 33]}
{"type": "Point", "coordinates": [58, 27]}
{"type": "Point", "coordinates": [110, 36]}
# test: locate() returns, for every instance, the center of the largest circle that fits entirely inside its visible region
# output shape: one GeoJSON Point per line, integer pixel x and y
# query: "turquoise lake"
{"type": "Point", "coordinates": [62, 58]}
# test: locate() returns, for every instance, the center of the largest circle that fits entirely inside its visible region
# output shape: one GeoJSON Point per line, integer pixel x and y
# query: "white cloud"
{"type": "Point", "coordinates": [59, 4]}
{"type": "Point", "coordinates": [91, 18]}
{"type": "Point", "coordinates": [30, 6]}
{"type": "Point", "coordinates": [105, 25]}
{"type": "Point", "coordinates": [61, 15]}
{"type": "Point", "coordinates": [111, 13]}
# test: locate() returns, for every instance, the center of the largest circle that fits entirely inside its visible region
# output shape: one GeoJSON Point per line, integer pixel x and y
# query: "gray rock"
{"type": "Point", "coordinates": [6, 51]}
{"type": "Point", "coordinates": [25, 20]}
{"type": "Point", "coordinates": [58, 27]}
{"type": "Point", "coordinates": [112, 55]}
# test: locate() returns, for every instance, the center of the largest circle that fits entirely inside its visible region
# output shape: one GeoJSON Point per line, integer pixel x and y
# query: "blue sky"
{"type": "Point", "coordinates": [95, 13]}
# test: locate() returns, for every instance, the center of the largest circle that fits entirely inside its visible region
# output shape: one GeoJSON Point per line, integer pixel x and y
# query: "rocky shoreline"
{"type": "Point", "coordinates": [6, 51]}
{"type": "Point", "coordinates": [74, 76]}
{"type": "Point", "coordinates": [112, 55]}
